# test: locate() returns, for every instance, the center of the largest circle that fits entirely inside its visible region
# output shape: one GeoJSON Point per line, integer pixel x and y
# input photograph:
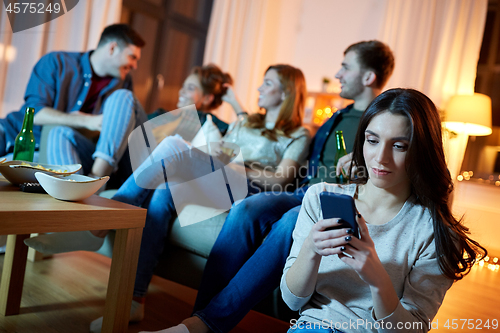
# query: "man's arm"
{"type": "Point", "coordinates": [41, 94]}
{"type": "Point", "coordinates": [77, 119]}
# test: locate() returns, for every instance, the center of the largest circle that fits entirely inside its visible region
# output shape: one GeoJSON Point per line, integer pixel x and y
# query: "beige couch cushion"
{"type": "Point", "coordinates": [199, 237]}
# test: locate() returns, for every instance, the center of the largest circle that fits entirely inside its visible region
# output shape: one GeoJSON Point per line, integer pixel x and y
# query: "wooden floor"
{"type": "Point", "coordinates": [65, 293]}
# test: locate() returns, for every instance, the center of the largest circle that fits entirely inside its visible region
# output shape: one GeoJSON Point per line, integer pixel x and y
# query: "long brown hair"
{"type": "Point", "coordinates": [430, 180]}
{"type": "Point", "coordinates": [212, 81]}
{"type": "Point", "coordinates": [293, 84]}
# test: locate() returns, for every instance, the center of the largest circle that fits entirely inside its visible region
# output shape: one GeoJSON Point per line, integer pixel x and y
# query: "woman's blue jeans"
{"type": "Point", "coordinates": [243, 268]}
{"type": "Point", "coordinates": [149, 188]}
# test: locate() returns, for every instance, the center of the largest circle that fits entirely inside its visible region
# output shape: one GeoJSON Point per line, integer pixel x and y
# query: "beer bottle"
{"type": "Point", "coordinates": [339, 137]}
{"type": "Point", "coordinates": [24, 147]}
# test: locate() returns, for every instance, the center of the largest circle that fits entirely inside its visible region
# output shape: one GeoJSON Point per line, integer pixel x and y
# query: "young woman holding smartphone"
{"type": "Point", "coordinates": [411, 248]}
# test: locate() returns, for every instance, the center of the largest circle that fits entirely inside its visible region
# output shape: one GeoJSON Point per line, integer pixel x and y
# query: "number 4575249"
{"type": "Point", "coordinates": [33, 8]}
{"type": "Point", "coordinates": [471, 324]}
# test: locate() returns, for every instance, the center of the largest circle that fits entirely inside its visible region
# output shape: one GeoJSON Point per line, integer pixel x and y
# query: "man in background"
{"type": "Point", "coordinates": [88, 95]}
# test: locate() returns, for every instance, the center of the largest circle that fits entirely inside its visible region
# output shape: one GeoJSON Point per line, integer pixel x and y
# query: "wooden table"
{"type": "Point", "coordinates": [24, 213]}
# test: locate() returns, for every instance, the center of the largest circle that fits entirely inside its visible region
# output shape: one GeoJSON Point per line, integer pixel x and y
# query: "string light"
{"type": "Point", "coordinates": [467, 175]}
{"type": "Point", "coordinates": [491, 263]}
{"type": "Point", "coordinates": [321, 115]}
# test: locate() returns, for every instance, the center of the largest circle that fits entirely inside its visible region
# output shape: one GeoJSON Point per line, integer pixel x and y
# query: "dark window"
{"type": "Point", "coordinates": [488, 68]}
{"type": "Point", "coordinates": [175, 32]}
{"type": "Point", "coordinates": [482, 155]}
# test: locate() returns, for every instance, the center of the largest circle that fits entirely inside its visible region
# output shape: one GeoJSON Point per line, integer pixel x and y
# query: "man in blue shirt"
{"type": "Point", "coordinates": [242, 269]}
{"type": "Point", "coordinates": [90, 96]}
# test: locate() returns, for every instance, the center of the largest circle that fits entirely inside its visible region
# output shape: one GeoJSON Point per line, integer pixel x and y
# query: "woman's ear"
{"type": "Point", "coordinates": [369, 78]}
{"type": "Point", "coordinates": [283, 96]}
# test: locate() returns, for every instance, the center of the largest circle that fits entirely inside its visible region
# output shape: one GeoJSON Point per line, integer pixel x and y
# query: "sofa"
{"type": "Point", "coordinates": [187, 249]}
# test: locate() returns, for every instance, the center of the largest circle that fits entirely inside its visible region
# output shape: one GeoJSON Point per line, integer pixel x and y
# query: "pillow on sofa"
{"type": "Point", "coordinates": [200, 237]}
{"type": "Point", "coordinates": [209, 132]}
{"type": "Point", "coordinates": [160, 132]}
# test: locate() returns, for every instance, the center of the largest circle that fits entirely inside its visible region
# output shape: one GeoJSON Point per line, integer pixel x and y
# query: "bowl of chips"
{"type": "Point", "coordinates": [70, 187]}
{"type": "Point", "coordinates": [18, 172]}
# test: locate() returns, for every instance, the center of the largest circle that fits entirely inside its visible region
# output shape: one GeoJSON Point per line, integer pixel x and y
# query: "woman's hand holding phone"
{"type": "Point", "coordinates": [360, 255]}
{"type": "Point", "coordinates": [351, 242]}
{"type": "Point", "coordinates": [327, 239]}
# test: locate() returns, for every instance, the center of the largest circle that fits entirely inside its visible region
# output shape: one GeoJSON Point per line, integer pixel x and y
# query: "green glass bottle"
{"type": "Point", "coordinates": [339, 137]}
{"type": "Point", "coordinates": [24, 147]}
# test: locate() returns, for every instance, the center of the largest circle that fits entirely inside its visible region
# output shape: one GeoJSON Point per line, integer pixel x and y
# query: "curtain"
{"type": "Point", "coordinates": [77, 30]}
{"type": "Point", "coordinates": [243, 39]}
{"type": "Point", "coordinates": [436, 44]}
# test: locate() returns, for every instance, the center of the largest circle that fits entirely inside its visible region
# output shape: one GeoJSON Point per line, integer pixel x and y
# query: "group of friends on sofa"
{"type": "Point", "coordinates": [410, 247]}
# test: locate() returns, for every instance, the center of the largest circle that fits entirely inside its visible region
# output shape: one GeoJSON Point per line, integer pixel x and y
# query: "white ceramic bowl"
{"type": "Point", "coordinates": [18, 172]}
{"type": "Point", "coordinates": [71, 187]}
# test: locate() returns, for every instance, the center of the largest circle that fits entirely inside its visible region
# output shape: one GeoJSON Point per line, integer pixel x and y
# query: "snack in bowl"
{"type": "Point", "coordinates": [41, 167]}
{"type": "Point", "coordinates": [70, 187]}
{"type": "Point", "coordinates": [18, 172]}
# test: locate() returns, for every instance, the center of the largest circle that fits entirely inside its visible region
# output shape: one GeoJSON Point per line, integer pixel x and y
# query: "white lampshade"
{"type": "Point", "coordinates": [469, 114]}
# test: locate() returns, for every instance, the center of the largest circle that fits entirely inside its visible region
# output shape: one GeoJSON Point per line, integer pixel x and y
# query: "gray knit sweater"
{"type": "Point", "coordinates": [405, 246]}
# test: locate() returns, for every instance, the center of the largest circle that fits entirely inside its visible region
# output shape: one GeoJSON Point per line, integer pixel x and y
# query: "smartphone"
{"type": "Point", "coordinates": [341, 206]}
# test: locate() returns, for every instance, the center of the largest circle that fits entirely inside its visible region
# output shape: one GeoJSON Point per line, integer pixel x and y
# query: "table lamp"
{"type": "Point", "coordinates": [469, 114]}
{"type": "Point", "coordinates": [466, 115]}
